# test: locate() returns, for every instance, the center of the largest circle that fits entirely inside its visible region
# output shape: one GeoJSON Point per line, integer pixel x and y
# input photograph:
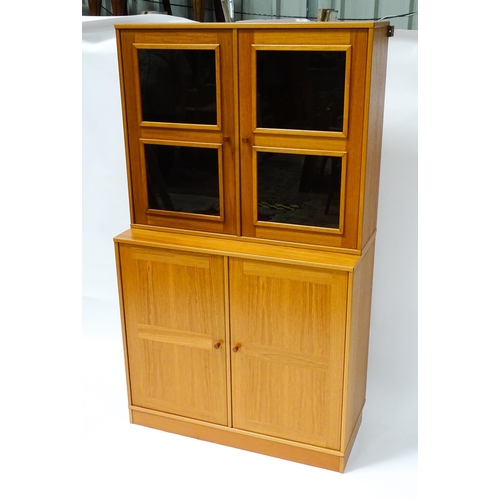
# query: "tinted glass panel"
{"type": "Point", "coordinates": [299, 189]}
{"type": "Point", "coordinates": [178, 86]}
{"type": "Point", "coordinates": [301, 90]}
{"type": "Point", "coordinates": [183, 179]}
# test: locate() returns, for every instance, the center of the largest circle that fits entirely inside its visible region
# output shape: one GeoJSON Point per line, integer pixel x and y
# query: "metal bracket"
{"type": "Point", "coordinates": [390, 31]}
{"type": "Point", "coordinates": [328, 15]}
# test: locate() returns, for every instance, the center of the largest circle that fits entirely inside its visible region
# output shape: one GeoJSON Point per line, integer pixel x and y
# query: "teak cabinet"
{"type": "Point", "coordinates": [253, 154]}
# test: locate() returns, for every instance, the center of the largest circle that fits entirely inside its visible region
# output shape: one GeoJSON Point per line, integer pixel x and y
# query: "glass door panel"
{"type": "Point", "coordinates": [299, 189]}
{"type": "Point", "coordinates": [183, 179]}
{"type": "Point", "coordinates": [301, 89]}
{"type": "Point", "coordinates": [178, 91]}
{"type": "Point", "coordinates": [178, 85]}
{"type": "Point", "coordinates": [302, 116]}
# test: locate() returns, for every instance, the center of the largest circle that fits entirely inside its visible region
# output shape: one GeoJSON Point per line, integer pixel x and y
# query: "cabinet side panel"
{"type": "Point", "coordinates": [377, 79]}
{"type": "Point", "coordinates": [119, 42]}
{"type": "Point", "coordinates": [131, 110]}
{"type": "Point", "coordinates": [122, 318]}
{"type": "Point", "coordinates": [357, 343]}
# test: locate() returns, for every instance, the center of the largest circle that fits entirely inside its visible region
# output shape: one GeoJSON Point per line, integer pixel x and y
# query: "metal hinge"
{"type": "Point", "coordinates": [390, 31]}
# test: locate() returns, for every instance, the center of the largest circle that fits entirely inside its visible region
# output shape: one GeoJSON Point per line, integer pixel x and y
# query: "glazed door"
{"type": "Point", "coordinates": [288, 330]}
{"type": "Point", "coordinates": [301, 110]}
{"type": "Point", "coordinates": [178, 94]}
{"type": "Point", "coordinates": [175, 331]}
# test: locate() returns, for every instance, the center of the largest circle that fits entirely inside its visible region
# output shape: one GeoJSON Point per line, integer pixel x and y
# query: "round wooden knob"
{"type": "Point", "coordinates": [216, 346]}
{"type": "Point", "coordinates": [236, 348]}
{"type": "Point", "coordinates": [245, 139]}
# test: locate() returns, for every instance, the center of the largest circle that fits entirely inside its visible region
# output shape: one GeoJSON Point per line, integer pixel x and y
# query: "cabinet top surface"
{"type": "Point", "coordinates": [258, 25]}
{"type": "Point", "coordinates": [233, 247]}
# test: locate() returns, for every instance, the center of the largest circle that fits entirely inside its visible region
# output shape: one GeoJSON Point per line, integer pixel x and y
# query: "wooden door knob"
{"type": "Point", "coordinates": [236, 348]}
{"type": "Point", "coordinates": [245, 139]}
{"type": "Point", "coordinates": [217, 345]}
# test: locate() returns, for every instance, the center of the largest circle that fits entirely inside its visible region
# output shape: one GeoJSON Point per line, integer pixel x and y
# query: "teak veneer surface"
{"type": "Point", "coordinates": [238, 139]}
{"type": "Point", "coordinates": [296, 325]}
{"type": "Point", "coordinates": [237, 331]}
{"type": "Point", "coordinates": [238, 247]}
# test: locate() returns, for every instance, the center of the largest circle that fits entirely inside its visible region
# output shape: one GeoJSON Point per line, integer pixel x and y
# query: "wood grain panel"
{"type": "Point", "coordinates": [173, 258]}
{"type": "Point", "coordinates": [188, 339]}
{"type": "Point", "coordinates": [174, 314]}
{"type": "Point", "coordinates": [374, 123]}
{"type": "Point", "coordinates": [254, 268]}
{"type": "Point", "coordinates": [357, 342]}
{"type": "Point", "coordinates": [280, 355]}
{"type": "Point", "coordinates": [123, 324]}
{"type": "Point", "coordinates": [303, 141]}
{"type": "Point", "coordinates": [269, 251]}
{"type": "Point", "coordinates": [311, 37]}
{"type": "Point", "coordinates": [289, 322]}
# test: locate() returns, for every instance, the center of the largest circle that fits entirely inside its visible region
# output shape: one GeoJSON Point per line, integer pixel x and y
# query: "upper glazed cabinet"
{"type": "Point", "coordinates": [261, 131]}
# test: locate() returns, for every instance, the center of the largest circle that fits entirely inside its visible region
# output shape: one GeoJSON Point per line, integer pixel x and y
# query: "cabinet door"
{"type": "Point", "coordinates": [302, 104]}
{"type": "Point", "coordinates": [174, 316]}
{"type": "Point", "coordinates": [288, 323]}
{"type": "Point", "coordinates": [178, 94]}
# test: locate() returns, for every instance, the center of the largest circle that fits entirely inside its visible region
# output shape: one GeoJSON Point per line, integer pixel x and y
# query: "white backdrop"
{"type": "Point", "coordinates": [123, 460]}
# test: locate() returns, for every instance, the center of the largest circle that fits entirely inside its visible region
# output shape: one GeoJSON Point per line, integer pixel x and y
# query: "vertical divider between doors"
{"type": "Point", "coordinates": [227, 322]}
{"type": "Point", "coordinates": [236, 129]}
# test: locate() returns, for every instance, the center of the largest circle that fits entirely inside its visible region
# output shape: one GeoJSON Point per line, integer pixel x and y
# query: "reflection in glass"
{"type": "Point", "coordinates": [299, 189]}
{"type": "Point", "coordinates": [302, 90]}
{"type": "Point", "coordinates": [183, 179]}
{"type": "Point", "coordinates": [178, 86]}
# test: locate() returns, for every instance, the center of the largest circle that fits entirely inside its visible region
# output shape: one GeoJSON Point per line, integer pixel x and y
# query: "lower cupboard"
{"type": "Point", "coordinates": [249, 346]}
